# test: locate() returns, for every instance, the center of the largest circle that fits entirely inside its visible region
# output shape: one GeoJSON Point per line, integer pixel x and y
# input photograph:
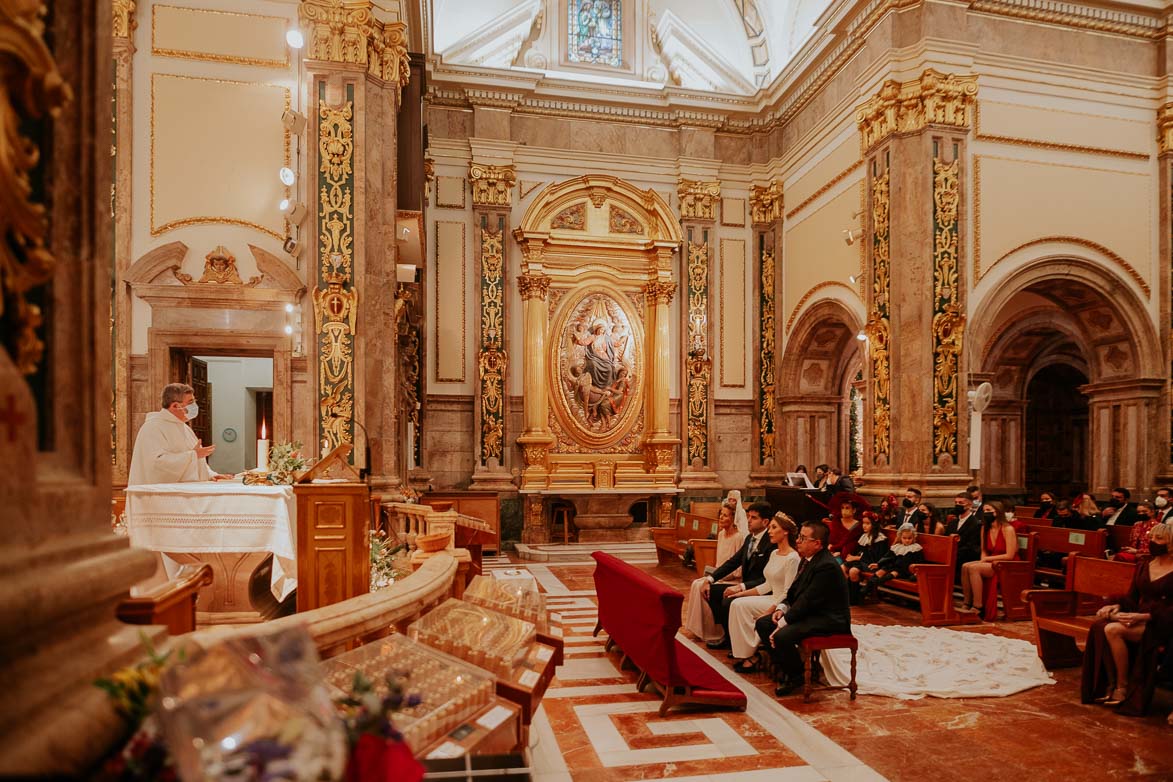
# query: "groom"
{"type": "Point", "coordinates": [751, 558]}
{"type": "Point", "coordinates": [817, 603]}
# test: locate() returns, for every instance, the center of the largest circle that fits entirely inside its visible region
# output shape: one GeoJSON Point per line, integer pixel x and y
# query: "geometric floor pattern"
{"type": "Point", "coordinates": [594, 726]}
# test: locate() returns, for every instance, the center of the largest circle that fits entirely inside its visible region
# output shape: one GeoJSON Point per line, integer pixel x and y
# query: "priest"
{"type": "Point", "coordinates": [166, 450]}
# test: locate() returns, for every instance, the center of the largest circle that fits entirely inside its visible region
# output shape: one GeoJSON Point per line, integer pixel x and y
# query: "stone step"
{"type": "Point", "coordinates": [581, 552]}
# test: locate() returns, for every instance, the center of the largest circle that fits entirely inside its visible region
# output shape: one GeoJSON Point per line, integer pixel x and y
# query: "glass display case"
{"type": "Point", "coordinates": [451, 689]}
{"type": "Point", "coordinates": [481, 636]}
{"type": "Point", "coordinates": [519, 599]}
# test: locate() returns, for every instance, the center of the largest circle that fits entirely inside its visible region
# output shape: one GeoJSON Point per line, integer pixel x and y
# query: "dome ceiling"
{"type": "Point", "coordinates": [731, 47]}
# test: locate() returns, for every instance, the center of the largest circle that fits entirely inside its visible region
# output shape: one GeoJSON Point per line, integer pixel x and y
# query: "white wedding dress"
{"type": "Point", "coordinates": [780, 571]}
{"type": "Point", "coordinates": [914, 662]}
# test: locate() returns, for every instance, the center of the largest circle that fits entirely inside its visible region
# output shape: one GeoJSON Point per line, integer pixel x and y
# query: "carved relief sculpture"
{"type": "Point", "coordinates": [492, 359]}
{"type": "Point", "coordinates": [335, 300]}
{"type": "Point", "coordinates": [572, 218]}
{"type": "Point", "coordinates": [877, 329]}
{"type": "Point", "coordinates": [933, 99]}
{"type": "Point", "coordinates": [698, 199]}
{"type": "Point", "coordinates": [219, 269]}
{"type": "Point", "coordinates": [766, 328]}
{"type": "Point", "coordinates": [347, 32]}
{"type": "Point", "coordinates": [491, 185]}
{"type": "Point", "coordinates": [948, 321]}
{"type": "Point", "coordinates": [765, 203]}
{"type": "Point", "coordinates": [33, 88]}
{"type": "Point", "coordinates": [124, 22]}
{"type": "Point", "coordinates": [1165, 129]}
{"type": "Point", "coordinates": [699, 364]}
{"type": "Point", "coordinates": [621, 222]}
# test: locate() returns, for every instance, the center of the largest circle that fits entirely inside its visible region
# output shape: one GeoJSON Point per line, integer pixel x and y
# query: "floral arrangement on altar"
{"type": "Point", "coordinates": [285, 462]}
{"type": "Point", "coordinates": [389, 560]}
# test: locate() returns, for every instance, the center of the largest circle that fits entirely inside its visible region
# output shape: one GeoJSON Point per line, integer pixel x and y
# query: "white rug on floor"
{"type": "Point", "coordinates": [915, 662]}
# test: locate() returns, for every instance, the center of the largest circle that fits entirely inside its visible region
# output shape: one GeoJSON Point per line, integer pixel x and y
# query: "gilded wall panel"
{"type": "Point", "coordinates": [451, 301]}
{"type": "Point", "coordinates": [733, 211]}
{"type": "Point", "coordinates": [734, 298]}
{"type": "Point", "coordinates": [219, 36]}
{"type": "Point", "coordinates": [948, 317]}
{"type": "Point", "coordinates": [450, 192]}
{"type": "Point", "coordinates": [814, 248]}
{"type": "Point", "coordinates": [1023, 200]}
{"type": "Point", "coordinates": [208, 170]}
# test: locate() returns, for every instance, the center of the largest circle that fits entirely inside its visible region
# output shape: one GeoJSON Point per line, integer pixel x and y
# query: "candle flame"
{"type": "Point", "coordinates": [263, 437]}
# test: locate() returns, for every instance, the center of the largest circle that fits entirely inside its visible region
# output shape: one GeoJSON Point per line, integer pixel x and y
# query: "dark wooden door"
{"type": "Point", "coordinates": [1056, 432]}
{"type": "Point", "coordinates": [202, 425]}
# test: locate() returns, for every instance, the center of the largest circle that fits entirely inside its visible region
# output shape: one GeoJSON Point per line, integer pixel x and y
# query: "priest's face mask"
{"type": "Point", "coordinates": [185, 410]}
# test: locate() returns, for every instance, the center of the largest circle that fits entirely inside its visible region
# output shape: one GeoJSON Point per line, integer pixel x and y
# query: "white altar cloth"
{"type": "Point", "coordinates": [217, 516]}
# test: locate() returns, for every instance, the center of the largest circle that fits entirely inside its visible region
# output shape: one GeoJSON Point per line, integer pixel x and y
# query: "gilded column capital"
{"type": "Point", "coordinates": [123, 17]}
{"type": "Point", "coordinates": [765, 203]}
{"type": "Point", "coordinates": [533, 286]}
{"type": "Point", "coordinates": [491, 185]}
{"type": "Point", "coordinates": [906, 107]}
{"type": "Point", "coordinates": [346, 31]}
{"type": "Point", "coordinates": [1165, 129]}
{"type": "Point", "coordinates": [660, 291]}
{"type": "Point", "coordinates": [698, 199]}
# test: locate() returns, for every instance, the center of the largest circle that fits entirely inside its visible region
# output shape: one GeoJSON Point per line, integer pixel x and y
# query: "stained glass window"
{"type": "Point", "coordinates": [595, 31]}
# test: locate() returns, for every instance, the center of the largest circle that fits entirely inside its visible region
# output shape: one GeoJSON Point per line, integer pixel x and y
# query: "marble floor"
{"type": "Point", "coordinates": [594, 726]}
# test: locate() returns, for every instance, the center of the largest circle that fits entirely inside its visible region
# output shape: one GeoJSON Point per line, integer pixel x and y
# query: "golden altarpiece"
{"type": "Point", "coordinates": [596, 285]}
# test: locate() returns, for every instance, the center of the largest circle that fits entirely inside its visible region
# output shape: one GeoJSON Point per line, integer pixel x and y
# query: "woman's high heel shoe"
{"type": "Point", "coordinates": [1116, 698]}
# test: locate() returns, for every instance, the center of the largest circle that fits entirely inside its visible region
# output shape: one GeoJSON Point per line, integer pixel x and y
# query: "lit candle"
{"type": "Point", "coordinates": [263, 451]}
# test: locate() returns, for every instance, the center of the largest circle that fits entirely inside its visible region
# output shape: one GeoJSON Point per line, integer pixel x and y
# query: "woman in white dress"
{"type": "Point", "coordinates": [752, 604]}
{"type": "Point", "coordinates": [698, 618]}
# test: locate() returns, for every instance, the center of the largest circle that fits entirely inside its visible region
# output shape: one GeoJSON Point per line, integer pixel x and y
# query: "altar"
{"type": "Point", "coordinates": [213, 518]}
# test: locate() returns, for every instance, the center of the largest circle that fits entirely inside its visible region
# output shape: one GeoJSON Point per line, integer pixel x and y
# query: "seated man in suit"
{"type": "Point", "coordinates": [910, 509]}
{"type": "Point", "coordinates": [967, 525]}
{"type": "Point", "coordinates": [751, 558]}
{"type": "Point", "coordinates": [817, 603]}
{"type": "Point", "coordinates": [1120, 512]}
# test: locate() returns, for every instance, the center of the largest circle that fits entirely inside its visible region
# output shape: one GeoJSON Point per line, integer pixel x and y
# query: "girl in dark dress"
{"type": "Point", "coordinates": [1120, 660]}
{"type": "Point", "coordinates": [869, 550]}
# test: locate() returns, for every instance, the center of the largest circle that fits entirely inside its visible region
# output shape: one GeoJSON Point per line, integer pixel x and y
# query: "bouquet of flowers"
{"type": "Point", "coordinates": [285, 460]}
{"type": "Point", "coordinates": [378, 752]}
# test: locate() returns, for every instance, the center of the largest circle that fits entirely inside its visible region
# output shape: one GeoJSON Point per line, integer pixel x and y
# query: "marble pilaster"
{"type": "Point", "coordinates": [765, 204]}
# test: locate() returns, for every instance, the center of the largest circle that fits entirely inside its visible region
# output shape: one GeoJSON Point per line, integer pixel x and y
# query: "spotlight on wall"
{"type": "Point", "coordinates": [294, 38]}
{"type": "Point", "coordinates": [849, 236]}
{"type": "Point", "coordinates": [862, 337]}
{"type": "Point", "coordinates": [294, 121]}
{"type": "Point", "coordinates": [291, 246]}
{"type": "Point", "coordinates": [294, 211]}
{"type": "Point", "coordinates": [287, 176]}
{"type": "Point", "coordinates": [288, 307]}
{"type": "Point", "coordinates": [853, 279]}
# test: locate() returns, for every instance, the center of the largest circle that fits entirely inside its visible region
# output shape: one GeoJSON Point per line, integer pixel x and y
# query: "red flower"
{"type": "Point", "coordinates": [376, 759]}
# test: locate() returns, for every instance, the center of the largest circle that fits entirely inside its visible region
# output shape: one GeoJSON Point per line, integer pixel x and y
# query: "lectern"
{"type": "Point", "coordinates": [333, 532]}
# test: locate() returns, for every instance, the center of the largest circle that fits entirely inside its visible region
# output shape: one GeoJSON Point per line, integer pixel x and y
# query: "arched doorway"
{"type": "Point", "coordinates": [1056, 431]}
{"type": "Point", "coordinates": [1065, 342]}
{"type": "Point", "coordinates": [821, 361]}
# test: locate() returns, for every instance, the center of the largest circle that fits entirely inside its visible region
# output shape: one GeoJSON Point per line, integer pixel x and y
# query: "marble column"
{"type": "Point", "coordinates": [357, 64]}
{"type": "Point", "coordinates": [1165, 310]}
{"type": "Point", "coordinates": [698, 208]}
{"type": "Point", "coordinates": [64, 572]}
{"type": "Point", "coordinates": [537, 439]}
{"type": "Point", "coordinates": [1121, 414]}
{"type": "Point", "coordinates": [659, 445]}
{"type": "Point", "coordinates": [492, 198]}
{"type": "Point", "coordinates": [765, 204]}
{"type": "Point", "coordinates": [125, 24]}
{"type": "Point", "coordinates": [914, 137]}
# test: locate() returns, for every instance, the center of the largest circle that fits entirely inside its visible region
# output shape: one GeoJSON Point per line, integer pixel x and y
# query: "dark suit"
{"type": "Point", "coordinates": [818, 604]}
{"type": "Point", "coordinates": [969, 548]}
{"type": "Point", "coordinates": [752, 561]}
{"type": "Point", "coordinates": [1126, 518]}
{"type": "Point", "coordinates": [910, 516]}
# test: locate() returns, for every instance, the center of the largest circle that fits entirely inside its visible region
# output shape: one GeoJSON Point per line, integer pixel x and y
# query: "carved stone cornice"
{"type": "Point", "coordinates": [1165, 129]}
{"type": "Point", "coordinates": [123, 16]}
{"type": "Point", "coordinates": [533, 286]}
{"type": "Point", "coordinates": [765, 203]}
{"type": "Point", "coordinates": [345, 31]}
{"type": "Point", "coordinates": [660, 291]}
{"type": "Point", "coordinates": [698, 199]}
{"type": "Point", "coordinates": [492, 185]}
{"type": "Point", "coordinates": [933, 99]}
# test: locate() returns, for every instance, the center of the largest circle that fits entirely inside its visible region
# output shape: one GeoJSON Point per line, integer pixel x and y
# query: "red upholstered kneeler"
{"type": "Point", "coordinates": [812, 648]}
{"type": "Point", "coordinates": [642, 616]}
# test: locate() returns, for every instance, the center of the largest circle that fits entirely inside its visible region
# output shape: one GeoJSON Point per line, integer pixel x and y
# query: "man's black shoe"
{"type": "Point", "coordinates": [786, 687]}
{"type": "Point", "coordinates": [722, 644]}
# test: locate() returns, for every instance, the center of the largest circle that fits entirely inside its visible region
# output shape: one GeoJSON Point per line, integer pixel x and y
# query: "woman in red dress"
{"type": "Point", "coordinates": [999, 542]}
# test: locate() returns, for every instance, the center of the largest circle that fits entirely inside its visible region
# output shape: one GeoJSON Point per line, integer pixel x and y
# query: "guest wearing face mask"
{"type": "Point", "coordinates": [966, 524]}
{"type": "Point", "coordinates": [1046, 506]}
{"type": "Point", "coordinates": [909, 512]}
{"type": "Point", "coordinates": [1120, 512]}
{"type": "Point", "coordinates": [166, 450]}
{"type": "Point", "coordinates": [1164, 505]}
{"type": "Point", "coordinates": [1138, 542]}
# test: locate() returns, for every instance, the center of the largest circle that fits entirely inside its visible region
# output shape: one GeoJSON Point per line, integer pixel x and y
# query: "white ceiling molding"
{"type": "Point", "coordinates": [694, 63]}
{"type": "Point", "coordinates": [755, 34]}
{"type": "Point", "coordinates": [497, 43]}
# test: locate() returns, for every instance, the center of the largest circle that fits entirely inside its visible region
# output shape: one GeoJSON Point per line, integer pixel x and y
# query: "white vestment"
{"type": "Point", "coordinates": [164, 452]}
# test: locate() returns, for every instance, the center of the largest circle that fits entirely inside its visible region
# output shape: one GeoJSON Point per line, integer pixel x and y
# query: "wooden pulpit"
{"type": "Point", "coordinates": [333, 532]}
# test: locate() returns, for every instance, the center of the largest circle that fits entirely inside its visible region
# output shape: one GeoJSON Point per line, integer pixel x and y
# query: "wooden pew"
{"type": "Point", "coordinates": [704, 554]}
{"type": "Point", "coordinates": [670, 541]}
{"type": "Point", "coordinates": [1119, 537]}
{"type": "Point", "coordinates": [1066, 541]}
{"type": "Point", "coordinates": [1025, 511]}
{"type": "Point", "coordinates": [1012, 578]}
{"type": "Point", "coordinates": [171, 603]}
{"type": "Point", "coordinates": [706, 509]}
{"type": "Point", "coordinates": [933, 587]}
{"type": "Point", "coordinates": [1062, 617]}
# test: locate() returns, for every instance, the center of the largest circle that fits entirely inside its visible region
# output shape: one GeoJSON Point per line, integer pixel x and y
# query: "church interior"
{"type": "Point", "coordinates": [469, 316]}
